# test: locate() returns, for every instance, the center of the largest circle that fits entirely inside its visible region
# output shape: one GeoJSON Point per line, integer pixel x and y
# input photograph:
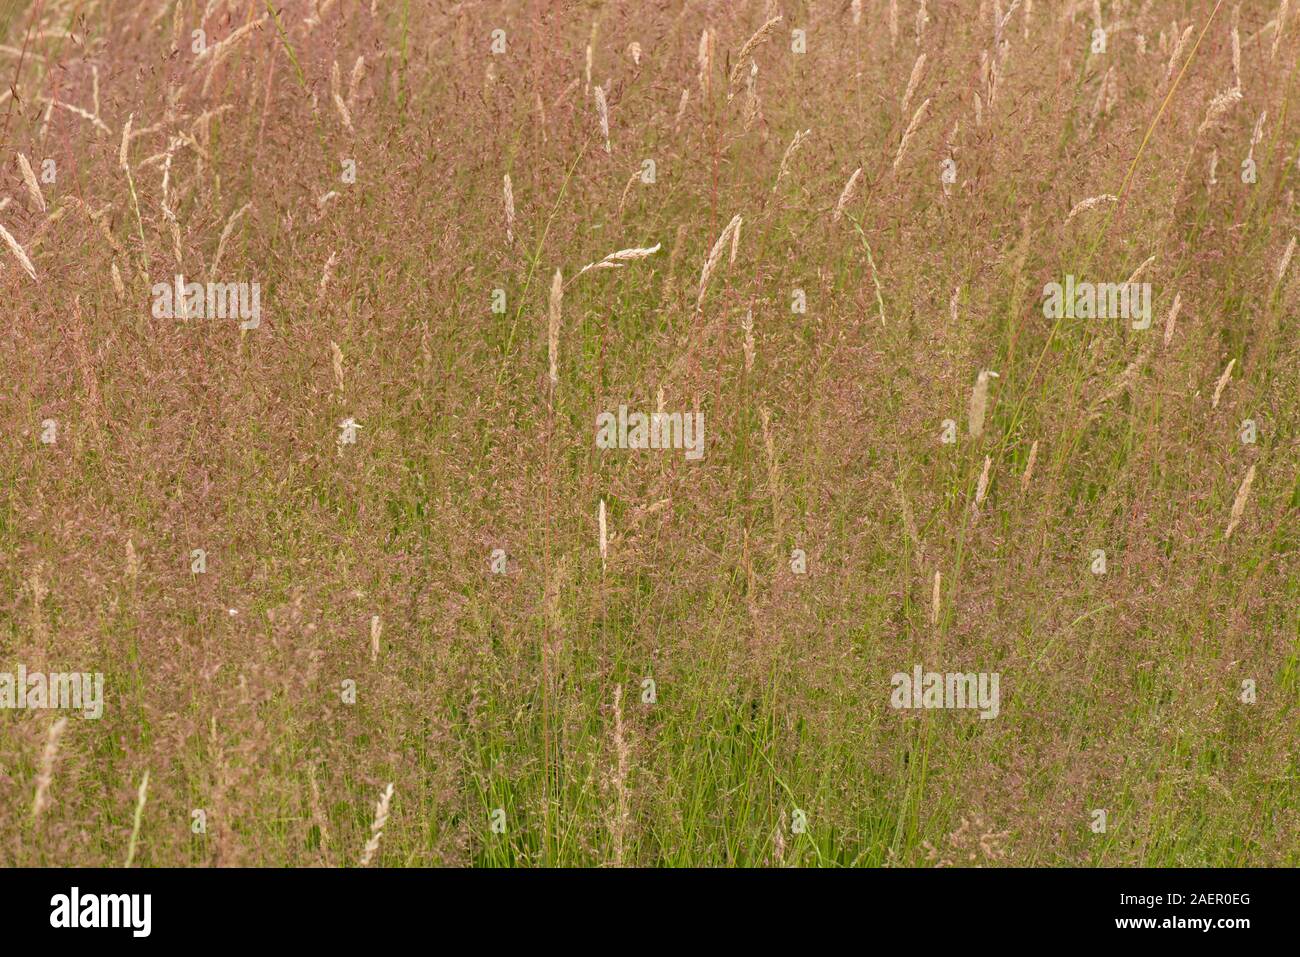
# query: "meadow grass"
{"type": "Point", "coordinates": [524, 692]}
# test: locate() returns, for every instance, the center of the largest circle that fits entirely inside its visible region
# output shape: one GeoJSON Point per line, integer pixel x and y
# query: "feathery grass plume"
{"type": "Point", "coordinates": [715, 254]}
{"type": "Point", "coordinates": [29, 180]}
{"type": "Point", "coordinates": [922, 20]}
{"type": "Point", "coordinates": [911, 129]}
{"type": "Point", "coordinates": [1000, 21]}
{"type": "Point", "coordinates": [326, 275]}
{"type": "Point", "coordinates": [1178, 50]}
{"type": "Point", "coordinates": [917, 69]}
{"type": "Point", "coordinates": [126, 144]}
{"type": "Point", "coordinates": [603, 534]}
{"type": "Point", "coordinates": [953, 303]}
{"type": "Point", "coordinates": [377, 826]}
{"type": "Point", "coordinates": [846, 195]}
{"type": "Point", "coordinates": [681, 108]}
{"type": "Point", "coordinates": [1285, 261]}
{"type": "Point", "coordinates": [1137, 273]}
{"type": "Point", "coordinates": [979, 400]}
{"type": "Point", "coordinates": [541, 115]}
{"type": "Point", "coordinates": [1239, 503]}
{"type": "Point", "coordinates": [1236, 50]}
{"type": "Point", "coordinates": [994, 73]}
{"type": "Point", "coordinates": [225, 235]}
{"type": "Point", "coordinates": [137, 134]}
{"type": "Point", "coordinates": [753, 108]}
{"type": "Point", "coordinates": [553, 328]}
{"type": "Point", "coordinates": [1281, 24]}
{"type": "Point", "coordinates": [218, 52]}
{"type": "Point", "coordinates": [99, 124]}
{"type": "Point", "coordinates": [139, 814]}
{"type": "Point", "coordinates": [1091, 202]}
{"type": "Point", "coordinates": [778, 831]}
{"type": "Point", "coordinates": [747, 327]}
{"type": "Point", "coordinates": [615, 260]}
{"type": "Point", "coordinates": [1029, 467]}
{"type": "Point", "coordinates": [586, 80]}
{"type": "Point", "coordinates": [46, 774]}
{"type": "Point", "coordinates": [893, 23]}
{"type": "Point", "coordinates": [122, 160]}
{"type": "Point", "coordinates": [982, 487]}
{"type": "Point", "coordinates": [508, 189]}
{"type": "Point", "coordinates": [172, 143]}
{"type": "Point", "coordinates": [602, 111]}
{"type": "Point", "coordinates": [936, 598]}
{"type": "Point", "coordinates": [336, 94]}
{"type": "Point", "coordinates": [735, 245]}
{"type": "Point", "coordinates": [789, 151]}
{"type": "Point", "coordinates": [317, 16]}
{"type": "Point", "coordinates": [634, 51]}
{"type": "Point", "coordinates": [855, 7]}
{"type": "Point", "coordinates": [909, 522]}
{"type": "Point", "coordinates": [627, 188]}
{"type": "Point", "coordinates": [376, 629]}
{"type": "Point", "coordinates": [132, 562]}
{"type": "Point", "coordinates": [1099, 106]}
{"type": "Point", "coordinates": [17, 251]}
{"type": "Point", "coordinates": [336, 359]}
{"type": "Point", "coordinates": [1257, 134]}
{"type": "Point", "coordinates": [761, 36]}
{"type": "Point", "coordinates": [358, 71]}
{"type": "Point", "coordinates": [704, 62]}
{"type": "Point", "coordinates": [1172, 318]}
{"type": "Point", "coordinates": [1218, 108]}
{"type": "Point", "coordinates": [118, 286]}
{"type": "Point", "coordinates": [1222, 383]}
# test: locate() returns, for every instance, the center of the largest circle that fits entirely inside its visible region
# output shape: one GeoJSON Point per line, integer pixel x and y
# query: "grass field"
{"type": "Point", "coordinates": [417, 566]}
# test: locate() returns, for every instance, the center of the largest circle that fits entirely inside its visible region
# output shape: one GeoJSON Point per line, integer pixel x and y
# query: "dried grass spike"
{"type": "Point", "coordinates": [1239, 503]}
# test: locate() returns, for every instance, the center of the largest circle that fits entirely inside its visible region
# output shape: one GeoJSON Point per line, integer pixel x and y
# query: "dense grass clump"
{"type": "Point", "coordinates": [363, 583]}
